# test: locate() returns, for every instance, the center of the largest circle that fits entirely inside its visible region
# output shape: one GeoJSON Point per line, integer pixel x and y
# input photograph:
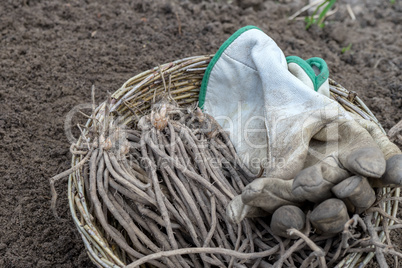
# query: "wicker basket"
{"type": "Point", "coordinates": [183, 79]}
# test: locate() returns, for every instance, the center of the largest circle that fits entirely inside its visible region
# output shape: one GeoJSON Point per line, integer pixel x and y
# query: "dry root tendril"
{"type": "Point", "coordinates": [160, 193]}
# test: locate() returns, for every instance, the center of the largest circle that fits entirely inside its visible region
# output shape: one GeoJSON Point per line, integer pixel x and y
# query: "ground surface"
{"type": "Point", "coordinates": [53, 51]}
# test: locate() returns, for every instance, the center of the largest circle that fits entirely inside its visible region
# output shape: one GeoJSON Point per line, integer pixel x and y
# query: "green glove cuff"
{"type": "Point", "coordinates": [312, 72]}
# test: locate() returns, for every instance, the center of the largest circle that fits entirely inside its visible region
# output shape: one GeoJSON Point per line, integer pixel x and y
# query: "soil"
{"type": "Point", "coordinates": [53, 51]}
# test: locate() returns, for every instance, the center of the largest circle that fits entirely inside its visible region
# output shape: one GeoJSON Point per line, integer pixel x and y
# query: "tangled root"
{"type": "Point", "coordinates": [160, 192]}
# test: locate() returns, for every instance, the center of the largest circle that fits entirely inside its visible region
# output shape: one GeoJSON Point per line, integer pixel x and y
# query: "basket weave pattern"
{"type": "Point", "coordinates": [183, 79]}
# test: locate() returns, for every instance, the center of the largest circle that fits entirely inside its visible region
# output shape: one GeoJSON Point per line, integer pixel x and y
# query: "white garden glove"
{"type": "Point", "coordinates": [320, 174]}
{"type": "Point", "coordinates": [248, 87]}
{"type": "Point", "coordinates": [273, 115]}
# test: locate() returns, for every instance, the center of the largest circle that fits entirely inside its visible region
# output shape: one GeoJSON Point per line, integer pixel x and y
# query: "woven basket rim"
{"type": "Point", "coordinates": [191, 68]}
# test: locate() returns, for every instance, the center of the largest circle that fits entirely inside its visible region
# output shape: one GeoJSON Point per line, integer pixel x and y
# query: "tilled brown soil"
{"type": "Point", "coordinates": [53, 51]}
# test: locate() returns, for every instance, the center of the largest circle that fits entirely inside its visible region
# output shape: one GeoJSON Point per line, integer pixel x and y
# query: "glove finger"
{"type": "Point", "coordinates": [358, 152]}
{"type": "Point", "coordinates": [393, 171]}
{"type": "Point", "coordinates": [287, 217]}
{"type": "Point", "coordinates": [270, 194]}
{"type": "Point", "coordinates": [391, 152]}
{"type": "Point", "coordinates": [356, 192]}
{"type": "Point", "coordinates": [392, 175]}
{"type": "Point", "coordinates": [388, 148]}
{"type": "Point", "coordinates": [330, 216]}
{"type": "Point", "coordinates": [236, 210]}
{"type": "Point", "coordinates": [315, 183]}
{"type": "Point", "coordinates": [368, 162]}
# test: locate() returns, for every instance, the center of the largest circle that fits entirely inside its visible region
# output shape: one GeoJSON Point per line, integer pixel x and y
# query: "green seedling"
{"type": "Point", "coordinates": [346, 49]}
{"type": "Point", "coordinates": [320, 21]}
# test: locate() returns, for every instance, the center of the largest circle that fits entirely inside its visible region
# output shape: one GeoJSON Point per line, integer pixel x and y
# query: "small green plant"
{"type": "Point", "coordinates": [346, 49]}
{"type": "Point", "coordinates": [310, 20]}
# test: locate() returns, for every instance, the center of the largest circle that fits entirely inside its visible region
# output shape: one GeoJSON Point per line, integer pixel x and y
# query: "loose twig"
{"type": "Point", "coordinates": [238, 255]}
{"type": "Point", "coordinates": [318, 252]}
{"type": "Point", "coordinates": [374, 238]}
{"type": "Point", "coordinates": [63, 175]}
